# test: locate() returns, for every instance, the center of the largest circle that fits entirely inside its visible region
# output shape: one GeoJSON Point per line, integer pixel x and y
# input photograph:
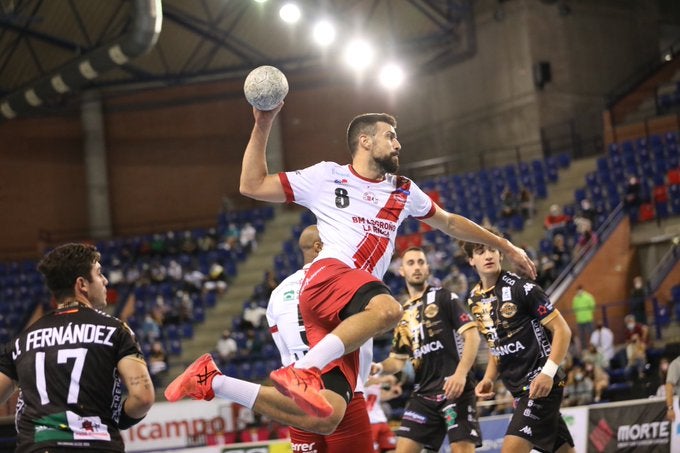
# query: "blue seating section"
{"type": "Point", "coordinates": [652, 160]}
{"type": "Point", "coordinates": [22, 288]}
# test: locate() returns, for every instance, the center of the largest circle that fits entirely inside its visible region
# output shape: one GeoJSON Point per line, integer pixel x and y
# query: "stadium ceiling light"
{"type": "Point", "coordinates": [324, 33]}
{"type": "Point", "coordinates": [290, 13]}
{"type": "Point", "coordinates": [359, 54]}
{"type": "Point", "coordinates": [391, 76]}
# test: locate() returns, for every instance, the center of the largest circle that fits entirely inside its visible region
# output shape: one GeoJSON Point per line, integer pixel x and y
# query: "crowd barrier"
{"type": "Point", "coordinates": [627, 426]}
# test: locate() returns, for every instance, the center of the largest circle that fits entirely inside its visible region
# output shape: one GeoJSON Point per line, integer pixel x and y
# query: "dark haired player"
{"type": "Point", "coordinates": [439, 337]}
{"type": "Point", "coordinates": [527, 340]}
{"type": "Point", "coordinates": [69, 364]}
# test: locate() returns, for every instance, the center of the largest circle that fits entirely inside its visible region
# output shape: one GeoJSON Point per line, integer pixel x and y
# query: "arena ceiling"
{"type": "Point", "coordinates": [209, 40]}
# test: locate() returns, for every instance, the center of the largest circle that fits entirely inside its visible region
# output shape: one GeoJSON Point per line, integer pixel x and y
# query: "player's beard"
{"type": "Point", "coordinates": [388, 164]}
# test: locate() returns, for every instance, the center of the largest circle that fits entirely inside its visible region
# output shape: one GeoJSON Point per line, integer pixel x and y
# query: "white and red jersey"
{"type": "Point", "coordinates": [373, 404]}
{"type": "Point", "coordinates": [288, 329]}
{"type": "Point", "coordinates": [357, 217]}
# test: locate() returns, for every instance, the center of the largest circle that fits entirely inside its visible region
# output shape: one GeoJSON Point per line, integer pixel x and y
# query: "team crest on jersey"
{"type": "Point", "coordinates": [431, 311]}
{"type": "Point", "coordinates": [508, 310]}
{"type": "Point", "coordinates": [506, 295]}
{"type": "Point", "coordinates": [370, 197]}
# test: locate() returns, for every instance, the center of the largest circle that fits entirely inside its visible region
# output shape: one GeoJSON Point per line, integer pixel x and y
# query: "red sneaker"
{"type": "Point", "coordinates": [302, 385]}
{"type": "Point", "coordinates": [195, 382]}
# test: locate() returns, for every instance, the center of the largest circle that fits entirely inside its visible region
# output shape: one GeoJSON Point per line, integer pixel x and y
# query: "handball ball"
{"type": "Point", "coordinates": [265, 87]}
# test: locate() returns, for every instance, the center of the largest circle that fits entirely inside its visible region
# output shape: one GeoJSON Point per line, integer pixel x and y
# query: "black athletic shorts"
{"type": "Point", "coordinates": [539, 421]}
{"type": "Point", "coordinates": [428, 418]}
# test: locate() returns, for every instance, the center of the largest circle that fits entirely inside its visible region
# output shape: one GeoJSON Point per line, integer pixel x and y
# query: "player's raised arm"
{"type": "Point", "coordinates": [463, 228]}
{"type": "Point", "coordinates": [256, 182]}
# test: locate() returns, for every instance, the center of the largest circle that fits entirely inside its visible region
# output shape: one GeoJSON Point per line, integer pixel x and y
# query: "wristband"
{"type": "Point", "coordinates": [125, 421]}
{"type": "Point", "coordinates": [549, 368]}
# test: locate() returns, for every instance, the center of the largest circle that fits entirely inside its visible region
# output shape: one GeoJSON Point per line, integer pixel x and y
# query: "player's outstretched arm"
{"type": "Point", "coordinates": [390, 365]}
{"type": "Point", "coordinates": [256, 182]}
{"type": "Point", "coordinates": [463, 228]}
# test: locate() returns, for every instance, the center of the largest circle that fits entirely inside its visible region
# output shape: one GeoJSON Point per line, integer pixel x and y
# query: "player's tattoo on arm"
{"type": "Point", "coordinates": [140, 380]}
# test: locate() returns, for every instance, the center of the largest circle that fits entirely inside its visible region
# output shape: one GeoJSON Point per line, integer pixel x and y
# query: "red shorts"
{"type": "Point", "coordinates": [328, 287]}
{"type": "Point", "coordinates": [352, 434]}
{"type": "Point", "coordinates": [383, 437]}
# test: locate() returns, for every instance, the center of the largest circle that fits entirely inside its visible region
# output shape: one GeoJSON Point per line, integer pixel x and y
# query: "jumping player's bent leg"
{"type": "Point", "coordinates": [342, 308]}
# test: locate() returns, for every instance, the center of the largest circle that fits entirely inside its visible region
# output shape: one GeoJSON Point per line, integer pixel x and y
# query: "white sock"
{"type": "Point", "coordinates": [241, 392]}
{"type": "Point", "coordinates": [324, 352]}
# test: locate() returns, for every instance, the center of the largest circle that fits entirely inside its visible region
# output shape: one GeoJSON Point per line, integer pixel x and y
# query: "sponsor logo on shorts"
{"type": "Point", "coordinates": [528, 414]}
{"type": "Point", "coordinates": [414, 417]}
{"type": "Point", "coordinates": [306, 447]}
{"type": "Point", "coordinates": [526, 430]}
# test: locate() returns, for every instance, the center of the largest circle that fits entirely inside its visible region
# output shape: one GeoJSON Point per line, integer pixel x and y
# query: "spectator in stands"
{"type": "Point", "coordinates": [193, 281]}
{"type": "Point", "coordinates": [151, 330]}
{"type": "Point", "coordinates": [175, 271]}
{"type": "Point", "coordinates": [248, 237]}
{"type": "Point", "coordinates": [638, 297]}
{"type": "Point", "coordinates": [208, 241]}
{"type": "Point", "coordinates": [561, 255]}
{"type": "Point", "coordinates": [587, 211]}
{"type": "Point", "coordinates": [599, 377]}
{"type": "Point", "coordinates": [661, 376]}
{"type": "Point", "coordinates": [270, 283]}
{"type": "Point", "coordinates": [217, 280]}
{"type": "Point", "coordinates": [637, 337]}
{"type": "Point", "coordinates": [546, 271]}
{"type": "Point", "coordinates": [253, 314]}
{"type": "Point", "coordinates": [189, 245]}
{"type": "Point", "coordinates": [584, 306]}
{"type": "Point", "coordinates": [226, 347]}
{"type": "Point", "coordinates": [158, 363]}
{"type": "Point", "coordinates": [158, 272]}
{"type": "Point", "coordinates": [115, 273]}
{"type": "Point", "coordinates": [556, 222]}
{"type": "Point", "coordinates": [633, 196]}
{"type": "Point", "coordinates": [579, 388]}
{"type": "Point", "coordinates": [586, 239]}
{"type": "Point", "coordinates": [253, 344]}
{"type": "Point", "coordinates": [526, 203]}
{"type": "Point", "coordinates": [508, 203]}
{"type": "Point", "coordinates": [672, 387]}
{"type": "Point", "coordinates": [603, 339]}
{"type": "Point", "coordinates": [231, 236]}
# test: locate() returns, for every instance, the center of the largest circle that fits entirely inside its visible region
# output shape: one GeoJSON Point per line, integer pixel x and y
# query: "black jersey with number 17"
{"type": "Point", "coordinates": [429, 334]}
{"type": "Point", "coordinates": [71, 393]}
{"type": "Point", "coordinates": [511, 315]}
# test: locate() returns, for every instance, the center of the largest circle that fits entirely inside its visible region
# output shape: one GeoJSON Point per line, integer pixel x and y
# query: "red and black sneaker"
{"type": "Point", "coordinates": [195, 382]}
{"type": "Point", "coordinates": [303, 385]}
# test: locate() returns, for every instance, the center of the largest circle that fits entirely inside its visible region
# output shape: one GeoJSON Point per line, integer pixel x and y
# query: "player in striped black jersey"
{"type": "Point", "coordinates": [71, 363]}
{"type": "Point", "coordinates": [359, 208]}
{"type": "Point", "coordinates": [528, 339]}
{"type": "Point", "coordinates": [439, 337]}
